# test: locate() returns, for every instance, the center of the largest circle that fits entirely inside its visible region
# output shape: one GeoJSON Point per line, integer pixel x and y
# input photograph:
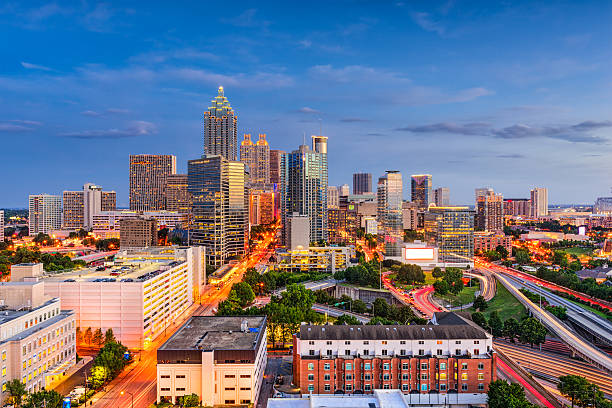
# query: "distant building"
{"type": "Point", "coordinates": [79, 207]}
{"type": "Point", "coordinates": [107, 224]}
{"type": "Point", "coordinates": [298, 231]}
{"type": "Point", "coordinates": [148, 180]}
{"type": "Point", "coordinates": [517, 207]}
{"type": "Point", "coordinates": [328, 259]}
{"type": "Point", "coordinates": [370, 225]}
{"type": "Point", "coordinates": [1, 226]}
{"type": "Point", "coordinates": [489, 241]}
{"type": "Point", "coordinates": [539, 202]}
{"type": "Point", "coordinates": [219, 207]}
{"type": "Point", "coordinates": [603, 205]}
{"type": "Point", "coordinates": [219, 358]}
{"type": "Point", "coordinates": [262, 208]}
{"type": "Point", "coordinates": [344, 190]}
{"type": "Point", "coordinates": [45, 213]}
{"type": "Point", "coordinates": [256, 156]}
{"type": "Point", "coordinates": [442, 196]}
{"type": "Point", "coordinates": [220, 128]}
{"type": "Point", "coordinates": [138, 232]}
{"type": "Point", "coordinates": [275, 161]}
{"type": "Point", "coordinates": [177, 194]}
{"type": "Point", "coordinates": [421, 193]}
{"type": "Point", "coordinates": [451, 229]}
{"type": "Point", "coordinates": [304, 187]}
{"type": "Point", "coordinates": [390, 222]}
{"type": "Point", "coordinates": [362, 183]}
{"type": "Point", "coordinates": [342, 224]}
{"type": "Point", "coordinates": [410, 212]}
{"type": "Point", "coordinates": [600, 274]}
{"type": "Point", "coordinates": [482, 191]}
{"type": "Point", "coordinates": [489, 212]}
{"type": "Point", "coordinates": [333, 197]}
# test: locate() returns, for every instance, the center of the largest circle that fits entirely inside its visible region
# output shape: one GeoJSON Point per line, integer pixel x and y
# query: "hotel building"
{"type": "Point", "coordinates": [222, 359]}
{"type": "Point", "coordinates": [107, 224]}
{"type": "Point", "coordinates": [45, 213]}
{"type": "Point", "coordinates": [79, 207]}
{"type": "Point", "coordinates": [148, 180]}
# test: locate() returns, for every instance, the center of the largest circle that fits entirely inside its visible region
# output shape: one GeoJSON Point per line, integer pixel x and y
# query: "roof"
{"type": "Point", "coordinates": [391, 332]}
{"type": "Point", "coordinates": [217, 333]}
{"type": "Point", "coordinates": [597, 273]}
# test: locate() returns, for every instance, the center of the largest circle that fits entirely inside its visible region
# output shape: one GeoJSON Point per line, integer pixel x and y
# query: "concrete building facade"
{"type": "Point", "coordinates": [139, 232]}
{"type": "Point", "coordinates": [362, 183]}
{"type": "Point", "coordinates": [489, 212]}
{"type": "Point", "coordinates": [45, 213]}
{"type": "Point", "coordinates": [539, 202]}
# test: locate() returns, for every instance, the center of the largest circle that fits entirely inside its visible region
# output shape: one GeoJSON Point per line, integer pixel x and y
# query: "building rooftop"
{"type": "Point", "coordinates": [217, 333]}
{"type": "Point", "coordinates": [8, 315]}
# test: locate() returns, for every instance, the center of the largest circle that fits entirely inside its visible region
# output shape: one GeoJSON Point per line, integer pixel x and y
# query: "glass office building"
{"type": "Point", "coordinates": [220, 128]}
{"type": "Point", "coordinates": [451, 229]}
{"type": "Point", "coordinates": [390, 215]}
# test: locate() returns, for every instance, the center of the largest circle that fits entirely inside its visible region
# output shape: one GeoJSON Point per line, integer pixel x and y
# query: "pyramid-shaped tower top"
{"type": "Point", "coordinates": [221, 91]}
{"type": "Point", "coordinates": [220, 106]}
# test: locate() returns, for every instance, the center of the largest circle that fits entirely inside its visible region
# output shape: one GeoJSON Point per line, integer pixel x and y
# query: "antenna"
{"type": "Point", "coordinates": [304, 141]}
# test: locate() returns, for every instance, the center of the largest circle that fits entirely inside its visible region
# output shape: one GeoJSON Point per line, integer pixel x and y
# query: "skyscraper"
{"type": "Point", "coordinates": [390, 215]}
{"type": "Point", "coordinates": [489, 212]}
{"type": "Point", "coordinates": [1, 226]}
{"type": "Point", "coordinates": [304, 187]}
{"type": "Point", "coordinates": [362, 183]}
{"type": "Point", "coordinates": [79, 207]}
{"type": "Point", "coordinates": [148, 180]}
{"type": "Point", "coordinates": [333, 197]}
{"type": "Point", "coordinates": [177, 196]}
{"type": "Point", "coordinates": [479, 192]}
{"type": "Point", "coordinates": [451, 229]}
{"type": "Point", "coordinates": [45, 213]}
{"type": "Point", "coordinates": [275, 160]}
{"type": "Point", "coordinates": [517, 207]}
{"type": "Point", "coordinates": [421, 190]}
{"type": "Point", "coordinates": [257, 157]}
{"type": "Point", "coordinates": [442, 196]}
{"type": "Point", "coordinates": [539, 202]}
{"type": "Point", "coordinates": [219, 207]}
{"type": "Point", "coordinates": [220, 128]}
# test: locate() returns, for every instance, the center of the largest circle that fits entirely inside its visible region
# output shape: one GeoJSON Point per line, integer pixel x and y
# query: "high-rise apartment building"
{"type": "Point", "coordinates": [489, 212]}
{"type": "Point", "coordinates": [517, 207]}
{"type": "Point", "coordinates": [148, 180]}
{"type": "Point", "coordinates": [219, 207]}
{"type": "Point", "coordinates": [390, 216]}
{"type": "Point", "coordinates": [262, 208]}
{"type": "Point", "coordinates": [442, 196]}
{"type": "Point", "coordinates": [342, 224]}
{"type": "Point", "coordinates": [451, 229]}
{"type": "Point", "coordinates": [344, 190]}
{"type": "Point", "coordinates": [257, 157]}
{"type": "Point", "coordinates": [177, 196]}
{"type": "Point", "coordinates": [220, 128]}
{"type": "Point", "coordinates": [45, 213]}
{"type": "Point", "coordinates": [421, 190]}
{"type": "Point", "coordinates": [362, 183]}
{"type": "Point", "coordinates": [1, 226]}
{"type": "Point", "coordinates": [138, 232]}
{"type": "Point", "coordinates": [275, 163]}
{"type": "Point", "coordinates": [410, 213]}
{"type": "Point", "coordinates": [333, 197]}
{"type": "Point", "coordinates": [79, 207]}
{"type": "Point", "coordinates": [304, 187]}
{"type": "Point", "coordinates": [479, 192]}
{"type": "Point", "coordinates": [539, 202]}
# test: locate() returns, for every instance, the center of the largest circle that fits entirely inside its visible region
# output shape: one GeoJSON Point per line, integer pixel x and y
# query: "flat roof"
{"type": "Point", "coordinates": [208, 333]}
{"type": "Point", "coordinates": [8, 315]}
{"type": "Point", "coordinates": [391, 332]}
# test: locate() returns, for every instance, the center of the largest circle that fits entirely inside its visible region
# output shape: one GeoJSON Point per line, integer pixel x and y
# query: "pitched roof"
{"type": "Point", "coordinates": [391, 332]}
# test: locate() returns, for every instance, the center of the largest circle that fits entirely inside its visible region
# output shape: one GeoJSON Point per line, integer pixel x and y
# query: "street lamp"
{"type": "Point", "coordinates": [132, 395]}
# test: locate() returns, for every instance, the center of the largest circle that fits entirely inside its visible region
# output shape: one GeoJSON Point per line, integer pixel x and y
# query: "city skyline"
{"type": "Point", "coordinates": [459, 110]}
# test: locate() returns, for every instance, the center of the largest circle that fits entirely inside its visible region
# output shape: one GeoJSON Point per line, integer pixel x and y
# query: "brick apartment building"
{"type": "Point", "coordinates": [452, 355]}
{"type": "Point", "coordinates": [488, 241]}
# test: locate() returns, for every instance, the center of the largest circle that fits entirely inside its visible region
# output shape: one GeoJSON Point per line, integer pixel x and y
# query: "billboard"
{"type": "Point", "coordinates": [420, 254]}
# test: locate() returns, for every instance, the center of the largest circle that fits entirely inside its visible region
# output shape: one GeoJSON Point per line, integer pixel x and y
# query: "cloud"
{"type": "Point", "coordinates": [576, 133]}
{"type": "Point", "coordinates": [91, 113]}
{"type": "Point", "coordinates": [28, 65]}
{"type": "Point", "coordinates": [26, 122]}
{"type": "Point", "coordinates": [99, 18]}
{"type": "Point", "coordinates": [255, 80]}
{"type": "Point", "coordinates": [305, 43]}
{"type": "Point", "coordinates": [109, 111]}
{"type": "Point", "coordinates": [161, 56]}
{"type": "Point", "coordinates": [352, 120]}
{"type": "Point", "coordinates": [353, 73]}
{"type": "Point", "coordinates": [427, 23]}
{"type": "Point", "coordinates": [118, 111]}
{"type": "Point", "coordinates": [246, 19]}
{"type": "Point", "coordinates": [510, 156]}
{"type": "Point", "coordinates": [308, 110]}
{"type": "Point", "coordinates": [138, 128]}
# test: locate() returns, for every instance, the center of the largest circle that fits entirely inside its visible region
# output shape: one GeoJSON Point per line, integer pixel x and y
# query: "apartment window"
{"type": "Point", "coordinates": [402, 341]}
{"type": "Point", "coordinates": [385, 366]}
{"type": "Point", "coordinates": [421, 352]}
{"type": "Point", "coordinates": [439, 342]}
{"type": "Point", "coordinates": [423, 376]}
{"type": "Point", "coordinates": [464, 387]}
{"type": "Point", "coordinates": [245, 401]}
{"type": "Point", "coordinates": [349, 377]}
{"type": "Point", "coordinates": [481, 376]}
{"type": "Point", "coordinates": [464, 376]}
{"type": "Point", "coordinates": [310, 387]}
{"type": "Point", "coordinates": [226, 389]}
{"type": "Point", "coordinates": [367, 366]}
{"type": "Point", "coordinates": [365, 342]}
{"type": "Point", "coordinates": [311, 366]}
{"type": "Point", "coordinates": [347, 342]}
{"type": "Point", "coordinates": [367, 377]}
{"type": "Point", "coordinates": [386, 387]}
{"type": "Point", "coordinates": [480, 387]}
{"type": "Point", "coordinates": [163, 389]}
{"type": "Point", "coordinates": [327, 387]}
{"type": "Point", "coordinates": [423, 387]}
{"type": "Point", "coordinates": [183, 389]}
{"type": "Point", "coordinates": [457, 341]}
{"type": "Point", "coordinates": [3, 355]}
{"type": "Point", "coordinates": [366, 352]}
{"type": "Point", "coordinates": [421, 342]}
{"type": "Point", "coordinates": [311, 352]}
{"type": "Point", "coordinates": [439, 352]}
{"type": "Point", "coordinates": [367, 387]}
{"type": "Point", "coordinates": [464, 366]}
{"type": "Point", "coordinates": [326, 377]}
{"type": "Point", "coordinates": [404, 366]}
{"type": "Point", "coordinates": [442, 387]}
{"type": "Point", "coordinates": [165, 376]}
{"type": "Point", "coordinates": [384, 352]}
{"type": "Point", "coordinates": [328, 342]}
{"type": "Point", "coordinates": [226, 376]}
{"type": "Point", "coordinates": [230, 402]}
{"type": "Point", "coordinates": [476, 342]}
{"type": "Point", "coordinates": [405, 377]}
{"type": "Point", "coordinates": [458, 352]}
{"type": "Point", "coordinates": [245, 375]}
{"type": "Point", "coordinates": [329, 352]}
{"type": "Point", "coordinates": [348, 366]}
{"type": "Point", "coordinates": [311, 343]}
{"type": "Point", "coordinates": [405, 387]}
{"type": "Point", "coordinates": [183, 376]}
{"type": "Point", "coordinates": [476, 352]}
{"type": "Point", "coordinates": [349, 387]}
{"type": "Point", "coordinates": [24, 350]}
{"type": "Point", "coordinates": [384, 342]}
{"type": "Point", "coordinates": [386, 377]}
{"type": "Point", "coordinates": [245, 388]}
{"type": "Point", "coordinates": [402, 352]}
{"type": "Point", "coordinates": [480, 366]}
{"type": "Point", "coordinates": [310, 377]}
{"type": "Point", "coordinates": [347, 352]}
{"type": "Point", "coordinates": [326, 366]}
{"type": "Point", "coordinates": [423, 366]}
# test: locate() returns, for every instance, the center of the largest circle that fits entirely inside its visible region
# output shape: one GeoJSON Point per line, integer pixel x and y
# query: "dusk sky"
{"type": "Point", "coordinates": [511, 96]}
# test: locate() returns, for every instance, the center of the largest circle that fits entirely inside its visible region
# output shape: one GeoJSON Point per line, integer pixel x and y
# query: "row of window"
{"type": "Point", "coordinates": [384, 342]}
{"type": "Point", "coordinates": [405, 387]}
{"type": "Point", "coordinates": [29, 347]}
{"type": "Point", "coordinates": [385, 352]}
{"type": "Point", "coordinates": [41, 318]}
{"type": "Point", "coordinates": [388, 376]}
{"type": "Point", "coordinates": [389, 366]}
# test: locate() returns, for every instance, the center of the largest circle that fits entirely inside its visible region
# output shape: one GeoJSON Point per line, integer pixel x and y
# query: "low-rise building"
{"type": "Point", "coordinates": [488, 241]}
{"type": "Point", "coordinates": [321, 259]}
{"type": "Point", "coordinates": [222, 359]}
{"type": "Point", "coordinates": [454, 355]}
{"type": "Point", "coordinates": [139, 232]}
{"type": "Point", "coordinates": [106, 224]}
{"type": "Point", "coordinates": [138, 295]}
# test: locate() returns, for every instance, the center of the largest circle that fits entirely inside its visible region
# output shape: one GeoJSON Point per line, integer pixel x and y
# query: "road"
{"type": "Point", "coordinates": [336, 312]}
{"type": "Point", "coordinates": [141, 379]}
{"type": "Point", "coordinates": [509, 374]}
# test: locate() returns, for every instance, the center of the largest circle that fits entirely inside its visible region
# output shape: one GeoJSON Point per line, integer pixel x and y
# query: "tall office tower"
{"type": "Point", "coordinates": [421, 190]}
{"type": "Point", "coordinates": [539, 202]}
{"type": "Point", "coordinates": [45, 213]}
{"type": "Point", "coordinates": [479, 192]}
{"type": "Point", "coordinates": [219, 207]}
{"type": "Point", "coordinates": [177, 196]}
{"type": "Point", "coordinates": [517, 207]}
{"type": "Point", "coordinates": [261, 207]}
{"type": "Point", "coordinates": [451, 229]}
{"type": "Point", "coordinates": [275, 161]}
{"type": "Point", "coordinates": [344, 190]}
{"type": "Point", "coordinates": [109, 201]}
{"type": "Point", "coordinates": [390, 216]}
{"type": "Point", "coordinates": [148, 180]}
{"type": "Point", "coordinates": [362, 183]}
{"type": "Point", "coordinates": [442, 196]}
{"type": "Point", "coordinates": [304, 187]}
{"type": "Point", "coordinates": [138, 232]}
{"type": "Point", "coordinates": [257, 157]}
{"type": "Point", "coordinates": [1, 226]}
{"type": "Point", "coordinates": [333, 197]}
{"type": "Point", "coordinates": [489, 212]}
{"type": "Point", "coordinates": [92, 203]}
{"type": "Point", "coordinates": [220, 129]}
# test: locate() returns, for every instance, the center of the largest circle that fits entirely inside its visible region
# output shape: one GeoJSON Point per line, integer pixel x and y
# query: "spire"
{"type": "Point", "coordinates": [221, 91]}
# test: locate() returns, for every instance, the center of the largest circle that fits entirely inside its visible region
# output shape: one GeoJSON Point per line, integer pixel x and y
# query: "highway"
{"type": "Point", "coordinates": [336, 312]}
{"type": "Point", "coordinates": [141, 379]}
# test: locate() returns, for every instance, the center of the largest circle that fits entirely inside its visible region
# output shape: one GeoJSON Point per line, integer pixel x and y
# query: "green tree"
{"type": "Point", "coordinates": [501, 250]}
{"type": "Point", "coordinates": [454, 278]}
{"type": "Point", "coordinates": [575, 266]}
{"type": "Point", "coordinates": [480, 303]}
{"type": "Point", "coordinates": [511, 329]}
{"type": "Point", "coordinates": [244, 293]}
{"type": "Point", "coordinates": [44, 398]}
{"type": "Point", "coordinates": [98, 376]}
{"type": "Point", "coordinates": [492, 256]}
{"type": "Point", "coordinates": [441, 287]}
{"type": "Point", "coordinates": [79, 335]}
{"type": "Point", "coordinates": [560, 258]}
{"type": "Point", "coordinates": [98, 337]}
{"type": "Point", "coordinates": [359, 306]}
{"type": "Point", "coordinates": [480, 319]}
{"type": "Point", "coordinates": [16, 391]}
{"type": "Point", "coordinates": [109, 336]}
{"type": "Point", "coordinates": [532, 331]}
{"type": "Point", "coordinates": [504, 395]}
{"type": "Point", "coordinates": [522, 256]}
{"type": "Point", "coordinates": [87, 336]}
{"type": "Point", "coordinates": [347, 319]}
{"type": "Point", "coordinates": [192, 400]}
{"type": "Point", "coordinates": [496, 324]}
{"type": "Point", "coordinates": [577, 389]}
{"type": "Point", "coordinates": [380, 307]}
{"type": "Point", "coordinates": [437, 272]}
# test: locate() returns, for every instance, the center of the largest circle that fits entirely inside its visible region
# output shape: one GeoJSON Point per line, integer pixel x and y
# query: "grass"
{"type": "Point", "coordinates": [589, 308]}
{"type": "Point", "coordinates": [464, 297]}
{"type": "Point", "coordinates": [578, 251]}
{"type": "Point", "coordinates": [505, 304]}
{"type": "Point", "coordinates": [429, 279]}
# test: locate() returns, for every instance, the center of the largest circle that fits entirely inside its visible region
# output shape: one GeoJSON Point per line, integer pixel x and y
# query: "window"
{"type": "Point", "coordinates": [402, 341]}
{"type": "Point", "coordinates": [367, 377]}
{"type": "Point", "coordinates": [442, 387]}
{"type": "Point", "coordinates": [464, 376]}
{"type": "Point", "coordinates": [421, 352]}
{"type": "Point", "coordinates": [245, 375]}
{"type": "Point", "coordinates": [311, 352]}
{"type": "Point", "coordinates": [405, 387]}
{"type": "Point", "coordinates": [476, 352]}
{"type": "Point", "coordinates": [476, 342]}
{"type": "Point", "coordinates": [384, 342]}
{"type": "Point", "coordinates": [311, 366]}
{"type": "Point", "coordinates": [310, 377]}
{"type": "Point", "coordinates": [423, 387]}
{"type": "Point", "coordinates": [226, 376]}
{"type": "Point", "coordinates": [3, 355]}
{"type": "Point", "coordinates": [347, 352]}
{"type": "Point", "coordinates": [349, 387]}
{"type": "Point", "coordinates": [326, 366]}
{"type": "Point", "coordinates": [423, 366]}
{"type": "Point", "coordinates": [366, 352]}
{"type": "Point", "coordinates": [327, 387]}
{"type": "Point", "coordinates": [421, 342]}
{"type": "Point", "coordinates": [183, 376]}
{"type": "Point", "coordinates": [423, 376]}
{"type": "Point", "coordinates": [404, 366]}
{"type": "Point", "coordinates": [326, 377]}
{"type": "Point", "coordinates": [329, 352]}
{"type": "Point", "coordinates": [464, 387]}
{"type": "Point", "coordinates": [481, 376]}
{"type": "Point", "coordinates": [443, 376]}
{"type": "Point", "coordinates": [386, 377]}
{"type": "Point", "coordinates": [348, 366]}
{"type": "Point", "coordinates": [245, 388]}
{"type": "Point", "coordinates": [349, 377]}
{"type": "Point", "coordinates": [464, 366]}
{"type": "Point", "coordinates": [405, 377]}
{"type": "Point", "coordinates": [402, 352]}
{"type": "Point", "coordinates": [245, 401]}
{"type": "Point", "coordinates": [162, 388]}
{"type": "Point", "coordinates": [230, 402]}
{"type": "Point", "coordinates": [439, 342]}
{"type": "Point", "coordinates": [365, 342]}
{"type": "Point", "coordinates": [386, 387]}
{"type": "Point", "coordinates": [458, 352]}
{"type": "Point", "coordinates": [183, 389]}
{"type": "Point", "coordinates": [458, 342]}
{"type": "Point", "coordinates": [481, 387]}
{"type": "Point", "coordinates": [165, 376]}
{"type": "Point", "coordinates": [367, 366]}
{"type": "Point", "coordinates": [367, 387]}
{"type": "Point", "coordinates": [3, 371]}
{"type": "Point", "coordinates": [439, 352]}
{"type": "Point", "coordinates": [311, 343]}
{"type": "Point", "coordinates": [347, 342]}
{"type": "Point", "coordinates": [480, 366]}
{"type": "Point", "coordinates": [310, 387]}
{"type": "Point", "coordinates": [384, 352]}
{"type": "Point", "coordinates": [385, 366]}
{"type": "Point", "coordinates": [328, 343]}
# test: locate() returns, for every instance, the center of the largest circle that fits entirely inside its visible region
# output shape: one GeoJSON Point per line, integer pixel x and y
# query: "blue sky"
{"type": "Point", "coordinates": [510, 95]}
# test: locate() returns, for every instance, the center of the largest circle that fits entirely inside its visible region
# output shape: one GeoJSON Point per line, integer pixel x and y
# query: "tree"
{"type": "Point", "coordinates": [480, 303]}
{"type": "Point", "coordinates": [501, 250]}
{"type": "Point", "coordinates": [191, 400]}
{"type": "Point", "coordinates": [441, 287]}
{"type": "Point", "coordinates": [522, 256]}
{"type": "Point", "coordinates": [44, 398]}
{"type": "Point", "coordinates": [532, 331]}
{"type": "Point", "coordinates": [410, 274]}
{"type": "Point", "coordinates": [98, 337]}
{"type": "Point", "coordinates": [575, 266]}
{"type": "Point", "coordinates": [437, 272]}
{"type": "Point", "coordinates": [244, 293]}
{"type": "Point", "coordinates": [504, 395]}
{"type": "Point", "coordinates": [511, 329]}
{"type": "Point", "coordinates": [560, 258]}
{"type": "Point", "coordinates": [380, 307]}
{"type": "Point", "coordinates": [109, 336]}
{"type": "Point", "coordinates": [454, 278]}
{"type": "Point", "coordinates": [87, 336]}
{"type": "Point", "coordinates": [492, 256]}
{"type": "Point", "coordinates": [98, 376]}
{"type": "Point", "coordinates": [480, 319]}
{"type": "Point", "coordinates": [359, 306]}
{"type": "Point", "coordinates": [496, 324]}
{"type": "Point", "coordinates": [347, 319]}
{"type": "Point", "coordinates": [16, 391]}
{"type": "Point", "coordinates": [577, 388]}
{"type": "Point", "coordinates": [79, 335]}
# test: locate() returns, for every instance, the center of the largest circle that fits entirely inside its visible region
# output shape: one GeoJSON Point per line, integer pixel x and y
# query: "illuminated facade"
{"type": "Point", "coordinates": [539, 202]}
{"type": "Point", "coordinates": [442, 196]}
{"type": "Point", "coordinates": [517, 207]}
{"type": "Point", "coordinates": [603, 205]}
{"type": "Point", "coordinates": [177, 196]}
{"type": "Point", "coordinates": [362, 183]}
{"type": "Point", "coordinates": [139, 232]}
{"type": "Point", "coordinates": [489, 241]}
{"type": "Point", "coordinates": [219, 207]}
{"type": "Point", "coordinates": [257, 157]}
{"type": "Point", "coordinates": [489, 212]}
{"type": "Point", "coordinates": [262, 209]}
{"type": "Point", "coordinates": [45, 213]}
{"type": "Point", "coordinates": [390, 217]}
{"type": "Point", "coordinates": [148, 181]}
{"type": "Point", "coordinates": [107, 224]}
{"type": "Point", "coordinates": [320, 259]}
{"type": "Point", "coordinates": [275, 160]}
{"type": "Point", "coordinates": [79, 207]}
{"type": "Point", "coordinates": [451, 229]}
{"type": "Point", "coordinates": [342, 224]}
{"type": "Point", "coordinates": [304, 187]}
{"type": "Point", "coordinates": [220, 128]}
{"type": "Point", "coordinates": [421, 193]}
